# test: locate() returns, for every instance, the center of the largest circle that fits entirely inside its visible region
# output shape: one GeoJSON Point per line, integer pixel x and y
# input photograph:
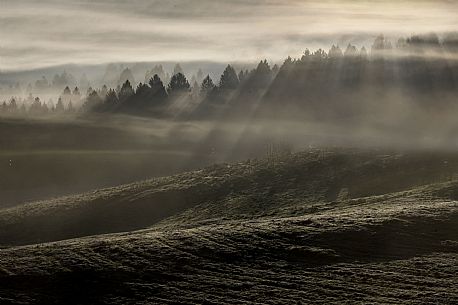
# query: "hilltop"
{"type": "Point", "coordinates": [321, 227]}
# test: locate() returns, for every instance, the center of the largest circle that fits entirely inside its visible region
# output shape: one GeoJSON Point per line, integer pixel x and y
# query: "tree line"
{"type": "Point", "coordinates": [316, 83]}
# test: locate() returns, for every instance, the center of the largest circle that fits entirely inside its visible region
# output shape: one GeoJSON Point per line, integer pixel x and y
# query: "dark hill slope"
{"type": "Point", "coordinates": [277, 187]}
{"type": "Point", "coordinates": [397, 248]}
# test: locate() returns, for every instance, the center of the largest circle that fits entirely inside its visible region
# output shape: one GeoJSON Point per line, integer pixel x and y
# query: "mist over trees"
{"type": "Point", "coordinates": [343, 82]}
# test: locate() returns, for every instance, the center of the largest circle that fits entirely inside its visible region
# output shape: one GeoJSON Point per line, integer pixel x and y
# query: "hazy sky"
{"type": "Point", "coordinates": [51, 32]}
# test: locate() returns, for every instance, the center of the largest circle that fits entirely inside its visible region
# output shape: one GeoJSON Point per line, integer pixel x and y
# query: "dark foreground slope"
{"type": "Point", "coordinates": [277, 186]}
{"type": "Point", "coordinates": [313, 228]}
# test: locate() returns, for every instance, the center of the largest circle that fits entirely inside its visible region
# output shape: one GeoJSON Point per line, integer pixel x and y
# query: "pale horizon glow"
{"type": "Point", "coordinates": [36, 34]}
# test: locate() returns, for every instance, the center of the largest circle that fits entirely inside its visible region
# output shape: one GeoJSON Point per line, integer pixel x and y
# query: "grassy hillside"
{"type": "Point", "coordinates": [317, 227]}
{"type": "Point", "coordinates": [276, 187]}
{"type": "Point", "coordinates": [41, 159]}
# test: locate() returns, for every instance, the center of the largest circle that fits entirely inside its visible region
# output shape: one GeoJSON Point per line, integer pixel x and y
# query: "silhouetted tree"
{"type": "Point", "coordinates": [351, 51]}
{"type": "Point", "coordinates": [141, 100]}
{"type": "Point", "coordinates": [125, 92]}
{"type": "Point", "coordinates": [146, 100]}
{"type": "Point", "coordinates": [4, 107]}
{"type": "Point", "coordinates": [380, 44]}
{"type": "Point", "coordinates": [60, 106]}
{"type": "Point", "coordinates": [259, 79]}
{"type": "Point", "coordinates": [111, 99]}
{"type": "Point", "coordinates": [275, 69]}
{"type": "Point", "coordinates": [93, 101]}
{"type": "Point", "coordinates": [335, 52]}
{"type": "Point", "coordinates": [67, 91]}
{"type": "Point", "coordinates": [103, 91]}
{"type": "Point", "coordinates": [207, 86]}
{"type": "Point", "coordinates": [75, 97]}
{"type": "Point", "coordinates": [44, 108]}
{"type": "Point", "coordinates": [157, 88]}
{"type": "Point", "coordinates": [13, 106]}
{"type": "Point", "coordinates": [178, 84]}
{"type": "Point", "coordinates": [229, 79]}
{"type": "Point", "coordinates": [35, 108]}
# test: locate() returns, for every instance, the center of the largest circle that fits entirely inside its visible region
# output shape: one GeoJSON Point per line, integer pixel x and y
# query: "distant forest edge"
{"type": "Point", "coordinates": [420, 71]}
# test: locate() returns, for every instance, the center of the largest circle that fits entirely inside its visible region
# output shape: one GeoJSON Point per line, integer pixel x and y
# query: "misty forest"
{"type": "Point", "coordinates": [409, 75]}
{"type": "Point", "coordinates": [227, 152]}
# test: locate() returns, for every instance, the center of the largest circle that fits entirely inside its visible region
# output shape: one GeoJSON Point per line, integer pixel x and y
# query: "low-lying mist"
{"type": "Point", "coordinates": [50, 157]}
{"type": "Point", "coordinates": [133, 130]}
